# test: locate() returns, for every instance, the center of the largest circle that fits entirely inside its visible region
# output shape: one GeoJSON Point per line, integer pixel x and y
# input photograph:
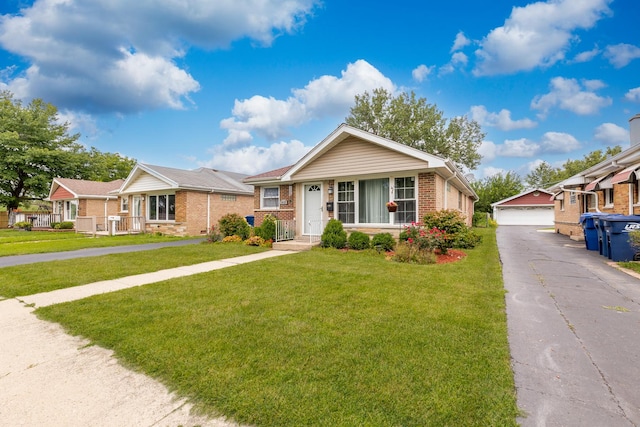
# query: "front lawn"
{"type": "Point", "coordinates": [29, 279]}
{"type": "Point", "coordinates": [14, 242]}
{"type": "Point", "coordinates": [320, 338]}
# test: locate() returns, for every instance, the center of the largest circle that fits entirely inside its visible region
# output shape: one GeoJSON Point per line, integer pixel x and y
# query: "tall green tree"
{"type": "Point", "coordinates": [414, 122]}
{"type": "Point", "coordinates": [572, 167]}
{"type": "Point", "coordinates": [495, 188]}
{"type": "Point", "coordinates": [35, 148]}
{"type": "Point", "coordinates": [543, 176]}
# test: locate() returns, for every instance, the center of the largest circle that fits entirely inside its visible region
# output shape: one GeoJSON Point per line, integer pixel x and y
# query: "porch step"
{"type": "Point", "coordinates": [295, 245]}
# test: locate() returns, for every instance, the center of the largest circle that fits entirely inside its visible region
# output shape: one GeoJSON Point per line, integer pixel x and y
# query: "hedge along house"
{"type": "Point", "coordinates": [72, 198]}
{"type": "Point", "coordinates": [351, 175]}
{"type": "Point", "coordinates": [182, 202]}
{"type": "Point", "coordinates": [611, 186]}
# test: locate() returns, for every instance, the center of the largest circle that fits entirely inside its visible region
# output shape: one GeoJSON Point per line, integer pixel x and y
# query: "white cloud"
{"type": "Point", "coordinates": [490, 171]}
{"type": "Point", "coordinates": [633, 95]}
{"type": "Point", "coordinates": [488, 150]}
{"type": "Point", "coordinates": [586, 56]}
{"type": "Point", "coordinates": [501, 120]}
{"type": "Point", "coordinates": [421, 72]}
{"type": "Point", "coordinates": [253, 160]}
{"type": "Point", "coordinates": [115, 55]}
{"type": "Point", "coordinates": [611, 134]}
{"type": "Point", "coordinates": [327, 96]}
{"type": "Point", "coordinates": [558, 142]}
{"type": "Point", "coordinates": [569, 94]}
{"type": "Point", "coordinates": [518, 148]}
{"type": "Point", "coordinates": [79, 123]}
{"type": "Point", "coordinates": [536, 35]}
{"type": "Point", "coordinates": [460, 42]}
{"type": "Point", "coordinates": [620, 55]}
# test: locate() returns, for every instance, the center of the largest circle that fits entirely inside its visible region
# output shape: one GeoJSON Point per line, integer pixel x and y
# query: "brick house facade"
{"type": "Point", "coordinates": [351, 175]}
{"type": "Point", "coordinates": [183, 202]}
{"type": "Point", "coordinates": [72, 198]}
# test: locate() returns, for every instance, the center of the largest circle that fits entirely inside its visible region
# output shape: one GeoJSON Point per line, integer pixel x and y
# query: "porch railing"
{"type": "Point", "coordinates": [315, 229]}
{"type": "Point", "coordinates": [37, 220]}
{"type": "Point", "coordinates": [102, 224]}
{"type": "Point", "coordinates": [285, 230]}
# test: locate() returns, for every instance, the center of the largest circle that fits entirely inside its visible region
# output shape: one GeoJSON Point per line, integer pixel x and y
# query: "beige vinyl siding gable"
{"type": "Point", "coordinates": [354, 156]}
{"type": "Point", "coordinates": [147, 183]}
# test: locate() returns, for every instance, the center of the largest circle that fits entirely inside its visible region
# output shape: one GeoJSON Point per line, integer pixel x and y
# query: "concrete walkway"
{"type": "Point", "coordinates": [48, 378]}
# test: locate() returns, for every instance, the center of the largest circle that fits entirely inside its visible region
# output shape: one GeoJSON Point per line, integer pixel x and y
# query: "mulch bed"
{"type": "Point", "coordinates": [452, 255]}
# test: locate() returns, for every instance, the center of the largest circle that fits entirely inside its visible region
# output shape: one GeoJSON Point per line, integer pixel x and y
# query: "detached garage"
{"type": "Point", "coordinates": [533, 207]}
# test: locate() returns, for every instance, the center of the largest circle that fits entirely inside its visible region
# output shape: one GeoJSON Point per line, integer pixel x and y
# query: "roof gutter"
{"type": "Point", "coordinates": [583, 192]}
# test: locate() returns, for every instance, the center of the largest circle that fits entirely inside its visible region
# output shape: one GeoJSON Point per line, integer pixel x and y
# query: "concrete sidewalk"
{"type": "Point", "coordinates": [48, 378]}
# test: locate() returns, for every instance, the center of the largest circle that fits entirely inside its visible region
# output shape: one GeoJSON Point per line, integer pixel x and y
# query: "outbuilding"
{"type": "Point", "coordinates": [531, 207]}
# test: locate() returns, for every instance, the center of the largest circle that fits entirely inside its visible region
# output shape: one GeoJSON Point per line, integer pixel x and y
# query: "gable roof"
{"type": "Point", "coordinates": [201, 179]}
{"type": "Point", "coordinates": [532, 197]}
{"type": "Point", "coordinates": [427, 161]}
{"type": "Point", "coordinates": [84, 189]}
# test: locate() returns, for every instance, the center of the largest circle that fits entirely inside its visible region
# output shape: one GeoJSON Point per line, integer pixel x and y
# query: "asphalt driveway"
{"type": "Point", "coordinates": [574, 331]}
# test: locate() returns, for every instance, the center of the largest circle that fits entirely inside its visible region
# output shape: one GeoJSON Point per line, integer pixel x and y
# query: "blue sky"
{"type": "Point", "coordinates": [252, 85]}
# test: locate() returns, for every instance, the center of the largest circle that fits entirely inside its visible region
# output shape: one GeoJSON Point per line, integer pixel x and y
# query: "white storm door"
{"type": "Point", "coordinates": [312, 209]}
{"type": "Point", "coordinates": [136, 213]}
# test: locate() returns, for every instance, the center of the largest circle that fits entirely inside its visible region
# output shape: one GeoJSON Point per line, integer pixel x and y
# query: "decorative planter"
{"type": "Point", "coordinates": [392, 208]}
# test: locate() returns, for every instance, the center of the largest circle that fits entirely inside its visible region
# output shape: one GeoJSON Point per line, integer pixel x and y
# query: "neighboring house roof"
{"type": "Point", "coordinates": [422, 160]}
{"type": "Point", "coordinates": [534, 197]}
{"type": "Point", "coordinates": [201, 179]}
{"type": "Point", "coordinates": [67, 188]}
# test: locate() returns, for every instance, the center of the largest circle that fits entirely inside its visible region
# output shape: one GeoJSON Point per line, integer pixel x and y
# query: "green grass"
{"type": "Point", "coordinates": [320, 338]}
{"type": "Point", "coordinates": [36, 242]}
{"type": "Point", "coordinates": [31, 279]}
{"type": "Point", "coordinates": [630, 265]}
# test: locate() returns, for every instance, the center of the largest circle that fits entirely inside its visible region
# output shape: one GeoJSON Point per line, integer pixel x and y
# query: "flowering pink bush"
{"type": "Point", "coordinates": [425, 239]}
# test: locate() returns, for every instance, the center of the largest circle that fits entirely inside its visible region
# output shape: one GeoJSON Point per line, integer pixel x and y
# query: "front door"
{"type": "Point", "coordinates": [136, 213]}
{"type": "Point", "coordinates": [313, 209]}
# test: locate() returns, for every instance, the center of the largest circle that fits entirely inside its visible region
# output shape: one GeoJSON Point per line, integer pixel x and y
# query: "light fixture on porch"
{"type": "Point", "coordinates": [330, 189]}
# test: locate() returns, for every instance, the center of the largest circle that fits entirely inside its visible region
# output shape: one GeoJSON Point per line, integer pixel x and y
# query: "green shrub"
{"type": "Point", "coordinates": [384, 241]}
{"type": "Point", "coordinates": [24, 225]}
{"type": "Point", "coordinates": [480, 219]}
{"type": "Point", "coordinates": [266, 230]}
{"type": "Point", "coordinates": [449, 221]}
{"type": "Point", "coordinates": [466, 240]}
{"type": "Point", "coordinates": [54, 225]}
{"type": "Point", "coordinates": [67, 225]}
{"type": "Point", "coordinates": [333, 235]}
{"type": "Point", "coordinates": [634, 238]}
{"type": "Point", "coordinates": [214, 235]}
{"type": "Point", "coordinates": [233, 224]}
{"type": "Point", "coordinates": [359, 241]}
{"type": "Point", "coordinates": [257, 241]}
{"type": "Point", "coordinates": [232, 239]}
{"type": "Point", "coordinates": [412, 254]}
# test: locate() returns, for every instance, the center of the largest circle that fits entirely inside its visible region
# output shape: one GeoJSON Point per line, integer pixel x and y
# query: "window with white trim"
{"type": "Point", "coordinates": [270, 197]}
{"type": "Point", "coordinates": [70, 210]}
{"type": "Point", "coordinates": [405, 196]}
{"type": "Point", "coordinates": [161, 207]}
{"type": "Point", "coordinates": [124, 204]}
{"type": "Point", "coordinates": [228, 197]}
{"type": "Point", "coordinates": [572, 198]}
{"type": "Point", "coordinates": [608, 196]}
{"type": "Point", "coordinates": [347, 202]}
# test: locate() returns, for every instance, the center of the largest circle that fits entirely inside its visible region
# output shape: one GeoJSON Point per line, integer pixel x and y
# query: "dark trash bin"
{"type": "Point", "coordinates": [617, 228]}
{"type": "Point", "coordinates": [250, 219]}
{"type": "Point", "coordinates": [588, 222]}
{"type": "Point", "coordinates": [603, 246]}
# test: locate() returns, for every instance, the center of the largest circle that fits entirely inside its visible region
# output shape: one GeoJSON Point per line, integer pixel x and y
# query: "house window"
{"type": "Point", "coordinates": [561, 204]}
{"type": "Point", "coordinates": [373, 195]}
{"type": "Point", "coordinates": [228, 197]}
{"type": "Point", "coordinates": [270, 197]}
{"type": "Point", "coordinates": [608, 196]}
{"type": "Point", "coordinates": [70, 210]}
{"type": "Point", "coordinates": [124, 204]}
{"type": "Point", "coordinates": [405, 197]}
{"type": "Point", "coordinates": [460, 200]}
{"type": "Point", "coordinates": [572, 198]}
{"type": "Point", "coordinates": [347, 202]}
{"type": "Point", "coordinates": [591, 201]}
{"type": "Point", "coordinates": [162, 207]}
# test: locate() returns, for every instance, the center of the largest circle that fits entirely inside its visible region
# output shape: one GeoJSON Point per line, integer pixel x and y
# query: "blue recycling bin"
{"type": "Point", "coordinates": [598, 222]}
{"type": "Point", "coordinates": [617, 228]}
{"type": "Point", "coordinates": [250, 219]}
{"type": "Point", "coordinates": [588, 222]}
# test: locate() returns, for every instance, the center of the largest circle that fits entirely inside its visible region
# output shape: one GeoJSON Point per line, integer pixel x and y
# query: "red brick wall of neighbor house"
{"type": "Point", "coordinates": [427, 201]}
{"type": "Point", "coordinates": [243, 206]}
{"type": "Point", "coordinates": [530, 199]}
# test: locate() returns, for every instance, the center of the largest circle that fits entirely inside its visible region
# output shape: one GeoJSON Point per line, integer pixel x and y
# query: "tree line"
{"type": "Point", "coordinates": [35, 148]}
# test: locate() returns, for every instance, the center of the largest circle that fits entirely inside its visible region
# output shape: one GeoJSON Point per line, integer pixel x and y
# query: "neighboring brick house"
{"type": "Point", "coordinates": [611, 186]}
{"type": "Point", "coordinates": [72, 198]}
{"type": "Point", "coordinates": [182, 202]}
{"type": "Point", "coordinates": [351, 175]}
{"type": "Point", "coordinates": [531, 207]}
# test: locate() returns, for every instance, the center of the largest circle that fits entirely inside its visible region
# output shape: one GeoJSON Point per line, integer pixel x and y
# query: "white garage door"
{"type": "Point", "coordinates": [524, 216]}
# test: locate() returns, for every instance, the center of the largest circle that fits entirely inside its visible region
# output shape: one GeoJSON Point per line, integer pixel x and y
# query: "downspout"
{"type": "Point", "coordinates": [630, 188]}
{"type": "Point", "coordinates": [208, 212]}
{"type": "Point", "coordinates": [583, 192]}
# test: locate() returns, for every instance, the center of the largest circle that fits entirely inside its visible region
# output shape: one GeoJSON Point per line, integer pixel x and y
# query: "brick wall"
{"type": "Point", "coordinates": [286, 212]}
{"type": "Point", "coordinates": [427, 200]}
